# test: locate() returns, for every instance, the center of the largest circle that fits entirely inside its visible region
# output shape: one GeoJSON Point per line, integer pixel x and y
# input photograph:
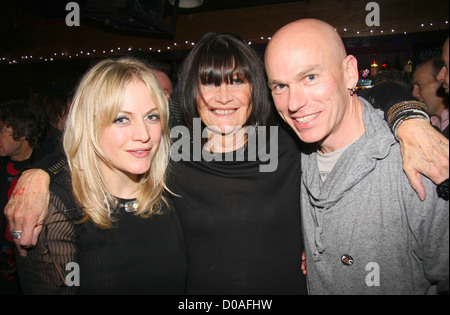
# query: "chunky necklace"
{"type": "Point", "coordinates": [129, 206]}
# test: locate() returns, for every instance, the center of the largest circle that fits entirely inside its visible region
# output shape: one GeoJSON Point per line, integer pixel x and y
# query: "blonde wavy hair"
{"type": "Point", "coordinates": [95, 105]}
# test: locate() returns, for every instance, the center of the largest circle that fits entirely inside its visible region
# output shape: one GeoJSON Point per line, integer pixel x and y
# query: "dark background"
{"type": "Point", "coordinates": [38, 51]}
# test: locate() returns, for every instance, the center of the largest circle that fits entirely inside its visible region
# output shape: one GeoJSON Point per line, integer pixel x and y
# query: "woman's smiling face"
{"type": "Point", "coordinates": [226, 106]}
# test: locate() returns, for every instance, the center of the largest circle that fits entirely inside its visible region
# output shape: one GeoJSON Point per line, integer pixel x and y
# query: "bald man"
{"type": "Point", "coordinates": [366, 231]}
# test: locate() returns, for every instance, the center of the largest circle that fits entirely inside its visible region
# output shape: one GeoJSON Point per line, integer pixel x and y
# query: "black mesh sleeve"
{"type": "Point", "coordinates": [43, 270]}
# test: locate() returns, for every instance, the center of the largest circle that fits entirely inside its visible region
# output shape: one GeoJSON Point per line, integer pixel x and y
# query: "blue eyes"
{"type": "Point", "coordinates": [279, 87]}
{"type": "Point", "coordinates": [307, 80]}
{"type": "Point", "coordinates": [154, 117]}
{"type": "Point", "coordinates": [120, 120]}
{"type": "Point", "coordinates": [125, 119]}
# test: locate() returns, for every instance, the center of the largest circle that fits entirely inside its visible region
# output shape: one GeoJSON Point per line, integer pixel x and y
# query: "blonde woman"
{"type": "Point", "coordinates": [109, 228]}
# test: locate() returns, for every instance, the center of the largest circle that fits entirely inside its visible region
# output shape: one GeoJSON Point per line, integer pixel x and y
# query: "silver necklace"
{"type": "Point", "coordinates": [129, 206]}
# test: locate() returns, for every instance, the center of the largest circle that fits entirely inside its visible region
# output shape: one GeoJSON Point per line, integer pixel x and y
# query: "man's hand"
{"type": "Point", "coordinates": [28, 206]}
{"type": "Point", "coordinates": [425, 151]}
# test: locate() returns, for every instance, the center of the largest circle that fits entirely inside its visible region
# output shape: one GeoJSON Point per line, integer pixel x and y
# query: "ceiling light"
{"type": "Point", "coordinates": [188, 4]}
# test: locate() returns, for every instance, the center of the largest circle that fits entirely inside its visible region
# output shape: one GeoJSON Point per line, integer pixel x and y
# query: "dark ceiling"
{"type": "Point", "coordinates": [38, 46]}
{"type": "Point", "coordinates": [144, 16]}
{"type": "Point", "coordinates": [50, 9]}
{"type": "Point", "coordinates": [214, 5]}
{"type": "Point", "coordinates": [37, 27]}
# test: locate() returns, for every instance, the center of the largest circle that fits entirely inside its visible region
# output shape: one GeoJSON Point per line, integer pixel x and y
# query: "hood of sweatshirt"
{"type": "Point", "coordinates": [354, 165]}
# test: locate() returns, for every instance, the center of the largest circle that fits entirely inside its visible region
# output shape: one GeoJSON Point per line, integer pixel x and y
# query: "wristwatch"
{"type": "Point", "coordinates": [443, 190]}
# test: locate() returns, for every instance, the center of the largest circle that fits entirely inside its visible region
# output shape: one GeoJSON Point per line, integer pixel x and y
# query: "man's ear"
{"type": "Point", "coordinates": [351, 71]}
{"type": "Point", "coordinates": [24, 137]}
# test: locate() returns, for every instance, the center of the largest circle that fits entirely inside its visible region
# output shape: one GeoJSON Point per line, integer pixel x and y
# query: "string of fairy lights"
{"type": "Point", "coordinates": [187, 44]}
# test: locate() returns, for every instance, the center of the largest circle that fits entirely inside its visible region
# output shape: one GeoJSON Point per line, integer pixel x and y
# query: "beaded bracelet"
{"type": "Point", "coordinates": [403, 106]}
{"type": "Point", "coordinates": [405, 116]}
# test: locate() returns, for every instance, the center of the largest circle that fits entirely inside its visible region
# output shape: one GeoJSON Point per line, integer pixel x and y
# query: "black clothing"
{"type": "Point", "coordinates": [140, 256]}
{"type": "Point", "coordinates": [242, 226]}
{"type": "Point", "coordinates": [135, 256]}
{"type": "Point", "coordinates": [9, 174]}
{"type": "Point", "coordinates": [386, 95]}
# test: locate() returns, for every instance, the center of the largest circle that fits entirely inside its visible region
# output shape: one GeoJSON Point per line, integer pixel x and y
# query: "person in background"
{"type": "Point", "coordinates": [160, 69]}
{"type": "Point", "coordinates": [428, 89]}
{"type": "Point", "coordinates": [56, 107]}
{"type": "Point", "coordinates": [393, 75]}
{"type": "Point", "coordinates": [163, 78]}
{"type": "Point", "coordinates": [366, 231]}
{"type": "Point", "coordinates": [443, 74]}
{"type": "Point", "coordinates": [22, 129]}
{"type": "Point", "coordinates": [443, 188]}
{"type": "Point", "coordinates": [109, 211]}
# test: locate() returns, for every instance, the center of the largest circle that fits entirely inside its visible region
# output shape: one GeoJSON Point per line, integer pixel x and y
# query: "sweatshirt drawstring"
{"type": "Point", "coordinates": [319, 249]}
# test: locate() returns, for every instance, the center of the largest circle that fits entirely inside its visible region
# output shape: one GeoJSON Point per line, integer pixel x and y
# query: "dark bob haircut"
{"type": "Point", "coordinates": [215, 59]}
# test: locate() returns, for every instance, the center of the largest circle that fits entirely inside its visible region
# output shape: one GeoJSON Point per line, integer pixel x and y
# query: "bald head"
{"type": "Point", "coordinates": [308, 34]}
{"type": "Point", "coordinates": [312, 42]}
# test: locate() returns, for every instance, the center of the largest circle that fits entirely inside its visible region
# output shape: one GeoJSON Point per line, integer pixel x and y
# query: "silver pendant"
{"type": "Point", "coordinates": [130, 206]}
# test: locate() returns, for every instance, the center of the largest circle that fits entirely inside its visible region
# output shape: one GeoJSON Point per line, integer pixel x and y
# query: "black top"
{"type": "Point", "coordinates": [139, 256]}
{"type": "Point", "coordinates": [9, 175]}
{"type": "Point", "coordinates": [135, 256]}
{"type": "Point", "coordinates": [242, 226]}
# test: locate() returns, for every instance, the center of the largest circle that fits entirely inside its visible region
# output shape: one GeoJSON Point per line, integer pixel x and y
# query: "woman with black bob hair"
{"type": "Point", "coordinates": [217, 59]}
{"type": "Point", "coordinates": [241, 221]}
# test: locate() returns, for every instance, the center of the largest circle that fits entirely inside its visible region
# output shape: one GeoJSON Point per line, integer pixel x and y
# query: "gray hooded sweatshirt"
{"type": "Point", "coordinates": [365, 229]}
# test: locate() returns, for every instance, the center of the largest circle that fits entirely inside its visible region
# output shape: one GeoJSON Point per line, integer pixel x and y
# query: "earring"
{"type": "Point", "coordinates": [352, 91]}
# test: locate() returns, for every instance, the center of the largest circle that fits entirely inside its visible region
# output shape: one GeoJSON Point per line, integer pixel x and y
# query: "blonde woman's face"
{"type": "Point", "coordinates": [132, 140]}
